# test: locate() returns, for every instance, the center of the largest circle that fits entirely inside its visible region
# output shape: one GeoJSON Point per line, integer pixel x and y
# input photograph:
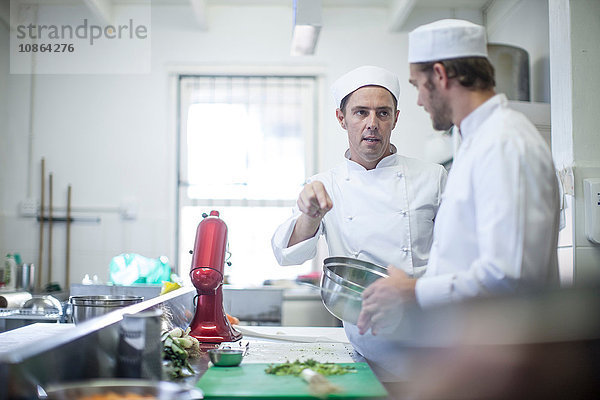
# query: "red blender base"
{"type": "Point", "coordinates": [210, 324]}
{"type": "Point", "coordinates": [209, 338]}
{"type": "Point", "coordinates": [209, 333]}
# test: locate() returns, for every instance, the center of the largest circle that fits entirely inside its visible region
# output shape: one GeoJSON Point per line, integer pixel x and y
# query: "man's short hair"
{"type": "Point", "coordinates": [474, 73]}
{"type": "Point", "coordinates": [347, 97]}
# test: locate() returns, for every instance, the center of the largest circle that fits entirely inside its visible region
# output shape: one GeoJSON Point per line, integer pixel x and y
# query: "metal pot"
{"type": "Point", "coordinates": [88, 307]}
{"type": "Point", "coordinates": [123, 387]}
{"type": "Point", "coordinates": [343, 282]}
{"type": "Point", "coordinates": [511, 67]}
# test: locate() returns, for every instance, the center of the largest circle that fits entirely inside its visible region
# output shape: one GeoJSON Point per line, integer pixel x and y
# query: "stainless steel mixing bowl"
{"type": "Point", "coordinates": [115, 388]}
{"type": "Point", "coordinates": [88, 307]}
{"type": "Point", "coordinates": [226, 357]}
{"type": "Point", "coordinates": [44, 305]}
{"type": "Point", "coordinates": [343, 282]}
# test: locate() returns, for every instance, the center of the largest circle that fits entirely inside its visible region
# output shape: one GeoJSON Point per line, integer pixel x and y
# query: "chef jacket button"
{"type": "Point", "coordinates": [404, 213]}
{"type": "Point", "coordinates": [399, 174]}
{"type": "Point", "coordinates": [349, 217]}
{"type": "Point", "coordinates": [348, 179]}
{"type": "Point", "coordinates": [356, 253]}
{"type": "Point", "coordinates": [405, 250]}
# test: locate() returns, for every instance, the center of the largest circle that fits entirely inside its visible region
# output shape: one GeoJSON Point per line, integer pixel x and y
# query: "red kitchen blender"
{"type": "Point", "coordinates": [210, 324]}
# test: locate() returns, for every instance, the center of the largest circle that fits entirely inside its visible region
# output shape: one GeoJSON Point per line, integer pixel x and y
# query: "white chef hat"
{"type": "Point", "coordinates": [446, 39]}
{"type": "Point", "coordinates": [365, 76]}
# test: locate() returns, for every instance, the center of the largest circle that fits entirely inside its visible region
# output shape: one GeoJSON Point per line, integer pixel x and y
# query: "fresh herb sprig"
{"type": "Point", "coordinates": [294, 368]}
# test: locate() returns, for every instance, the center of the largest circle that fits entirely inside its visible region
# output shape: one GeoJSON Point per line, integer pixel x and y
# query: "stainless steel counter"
{"type": "Point", "coordinates": [277, 344]}
{"type": "Point", "coordinates": [85, 351]}
{"type": "Point", "coordinates": [12, 341]}
{"type": "Point", "coordinates": [52, 353]}
{"type": "Point", "coordinates": [556, 334]}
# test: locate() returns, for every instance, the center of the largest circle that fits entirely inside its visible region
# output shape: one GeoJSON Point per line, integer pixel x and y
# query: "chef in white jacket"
{"type": "Point", "coordinates": [497, 228]}
{"type": "Point", "coordinates": [376, 206]}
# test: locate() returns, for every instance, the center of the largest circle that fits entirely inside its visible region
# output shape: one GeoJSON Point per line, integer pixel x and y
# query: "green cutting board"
{"type": "Point", "coordinates": [252, 382]}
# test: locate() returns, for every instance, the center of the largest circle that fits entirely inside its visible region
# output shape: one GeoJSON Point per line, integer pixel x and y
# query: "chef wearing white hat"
{"type": "Point", "coordinates": [376, 205]}
{"type": "Point", "coordinates": [497, 227]}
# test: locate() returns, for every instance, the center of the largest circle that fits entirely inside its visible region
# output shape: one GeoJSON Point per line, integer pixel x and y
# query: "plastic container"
{"type": "Point", "coordinates": [10, 271]}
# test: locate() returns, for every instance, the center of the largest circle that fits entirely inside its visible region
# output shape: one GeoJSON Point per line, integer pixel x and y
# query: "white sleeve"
{"type": "Point", "coordinates": [298, 253]}
{"type": "Point", "coordinates": [443, 178]}
{"type": "Point", "coordinates": [513, 206]}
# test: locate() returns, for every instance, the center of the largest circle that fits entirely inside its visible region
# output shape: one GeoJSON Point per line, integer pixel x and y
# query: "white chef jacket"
{"type": "Point", "coordinates": [497, 228]}
{"type": "Point", "coordinates": [385, 216]}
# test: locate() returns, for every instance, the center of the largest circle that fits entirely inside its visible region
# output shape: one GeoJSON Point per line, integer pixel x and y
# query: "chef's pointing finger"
{"type": "Point", "coordinates": [324, 201]}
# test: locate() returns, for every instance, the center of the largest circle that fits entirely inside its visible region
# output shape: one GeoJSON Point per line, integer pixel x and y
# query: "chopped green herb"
{"type": "Point", "coordinates": [297, 366]}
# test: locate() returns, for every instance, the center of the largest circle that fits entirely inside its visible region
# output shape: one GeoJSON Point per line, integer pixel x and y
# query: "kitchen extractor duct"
{"type": "Point", "coordinates": [511, 65]}
{"type": "Point", "coordinates": [307, 25]}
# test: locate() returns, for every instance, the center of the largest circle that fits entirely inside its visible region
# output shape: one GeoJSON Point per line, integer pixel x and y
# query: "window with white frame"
{"type": "Point", "coordinates": [245, 149]}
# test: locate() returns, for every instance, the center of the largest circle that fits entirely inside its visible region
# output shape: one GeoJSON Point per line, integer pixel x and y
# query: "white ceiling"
{"type": "Point", "coordinates": [399, 10]}
{"type": "Point", "coordinates": [470, 4]}
{"type": "Point", "coordinates": [326, 3]}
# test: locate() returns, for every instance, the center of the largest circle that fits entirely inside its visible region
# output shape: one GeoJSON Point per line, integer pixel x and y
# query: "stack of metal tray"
{"type": "Point", "coordinates": [28, 314]}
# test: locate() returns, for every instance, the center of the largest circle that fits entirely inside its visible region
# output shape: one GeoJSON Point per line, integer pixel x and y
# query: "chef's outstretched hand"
{"type": "Point", "coordinates": [383, 301]}
{"type": "Point", "coordinates": [314, 203]}
{"type": "Point", "coordinates": [314, 200]}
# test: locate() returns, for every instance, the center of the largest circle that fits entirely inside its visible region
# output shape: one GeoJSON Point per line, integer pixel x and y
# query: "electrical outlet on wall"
{"type": "Point", "coordinates": [28, 207]}
{"type": "Point", "coordinates": [591, 196]}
